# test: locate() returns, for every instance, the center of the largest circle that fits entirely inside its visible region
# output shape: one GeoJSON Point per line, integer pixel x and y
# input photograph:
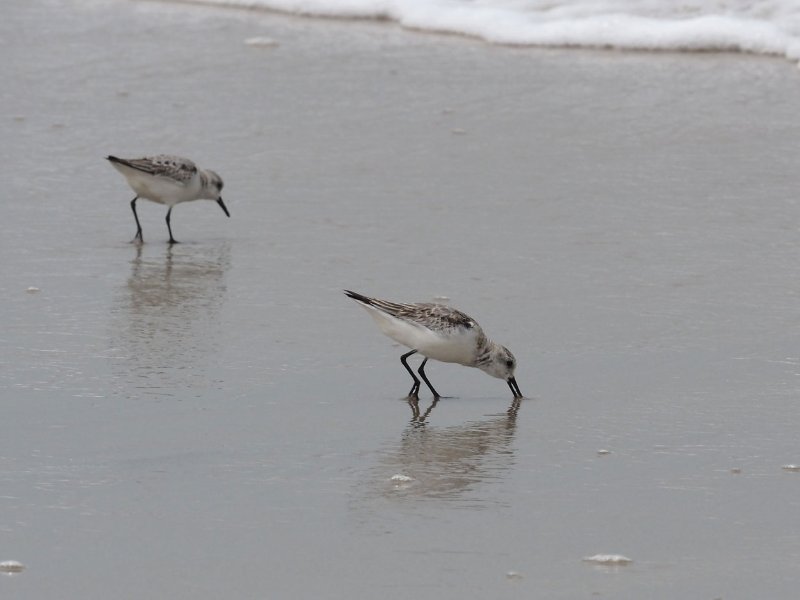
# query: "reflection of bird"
{"type": "Point", "coordinates": [166, 319]}
{"type": "Point", "coordinates": [418, 417]}
{"type": "Point", "coordinates": [442, 333]}
{"type": "Point", "coordinates": [445, 462]}
{"type": "Point", "coordinates": [168, 180]}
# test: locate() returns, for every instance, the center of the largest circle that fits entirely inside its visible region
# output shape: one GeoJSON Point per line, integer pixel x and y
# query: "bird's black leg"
{"type": "Point", "coordinates": [415, 388]}
{"type": "Point", "coordinates": [138, 235]}
{"type": "Point", "coordinates": [421, 372]}
{"type": "Point", "coordinates": [172, 240]}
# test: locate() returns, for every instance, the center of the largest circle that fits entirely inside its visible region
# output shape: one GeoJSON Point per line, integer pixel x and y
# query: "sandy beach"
{"type": "Point", "coordinates": [215, 419]}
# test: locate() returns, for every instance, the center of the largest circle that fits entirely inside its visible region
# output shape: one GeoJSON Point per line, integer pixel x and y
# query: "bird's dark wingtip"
{"type": "Point", "coordinates": [356, 296]}
{"type": "Point", "coordinates": [112, 158]}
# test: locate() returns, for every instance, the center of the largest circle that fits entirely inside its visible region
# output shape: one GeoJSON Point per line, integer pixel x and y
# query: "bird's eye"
{"type": "Point", "coordinates": [509, 363]}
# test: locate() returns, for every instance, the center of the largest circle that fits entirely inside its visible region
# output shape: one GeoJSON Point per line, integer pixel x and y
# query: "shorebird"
{"type": "Point", "coordinates": [442, 333]}
{"type": "Point", "coordinates": [169, 180]}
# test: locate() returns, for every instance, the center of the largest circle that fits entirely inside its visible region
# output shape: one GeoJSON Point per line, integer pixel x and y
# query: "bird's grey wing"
{"type": "Point", "coordinates": [445, 317]}
{"type": "Point", "coordinates": [175, 168]}
{"type": "Point", "coordinates": [432, 316]}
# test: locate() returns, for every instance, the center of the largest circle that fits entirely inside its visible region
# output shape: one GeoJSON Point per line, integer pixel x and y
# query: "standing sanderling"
{"type": "Point", "coordinates": [168, 180]}
{"type": "Point", "coordinates": [442, 333]}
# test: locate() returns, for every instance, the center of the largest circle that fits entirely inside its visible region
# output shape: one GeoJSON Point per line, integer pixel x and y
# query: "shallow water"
{"type": "Point", "coordinates": [216, 419]}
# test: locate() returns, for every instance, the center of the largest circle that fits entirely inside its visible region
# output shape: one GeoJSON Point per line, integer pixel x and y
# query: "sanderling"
{"type": "Point", "coordinates": [442, 333]}
{"type": "Point", "coordinates": [168, 180]}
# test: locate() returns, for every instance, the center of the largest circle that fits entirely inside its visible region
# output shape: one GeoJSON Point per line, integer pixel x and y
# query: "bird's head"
{"type": "Point", "coordinates": [500, 363]}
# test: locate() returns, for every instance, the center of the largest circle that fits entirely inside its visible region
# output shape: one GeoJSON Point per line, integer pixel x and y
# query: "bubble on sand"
{"type": "Point", "coordinates": [603, 452]}
{"type": "Point", "coordinates": [513, 576]}
{"type": "Point", "coordinates": [261, 42]}
{"type": "Point", "coordinates": [608, 559]}
{"type": "Point", "coordinates": [458, 131]}
{"type": "Point", "coordinates": [11, 566]}
{"type": "Point", "coordinates": [791, 467]}
{"type": "Point", "coordinates": [399, 478]}
{"type": "Point", "coordinates": [33, 290]}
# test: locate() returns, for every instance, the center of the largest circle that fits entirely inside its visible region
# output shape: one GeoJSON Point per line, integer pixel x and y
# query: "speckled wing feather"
{"type": "Point", "coordinates": [436, 317]}
{"type": "Point", "coordinates": [175, 168]}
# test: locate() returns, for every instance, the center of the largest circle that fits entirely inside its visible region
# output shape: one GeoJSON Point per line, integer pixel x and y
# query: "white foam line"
{"type": "Point", "coordinates": [592, 24]}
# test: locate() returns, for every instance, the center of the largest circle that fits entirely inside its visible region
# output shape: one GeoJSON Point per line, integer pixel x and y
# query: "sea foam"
{"type": "Point", "coordinates": [761, 27]}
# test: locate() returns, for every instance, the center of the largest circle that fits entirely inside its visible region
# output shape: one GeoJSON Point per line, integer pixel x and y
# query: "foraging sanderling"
{"type": "Point", "coordinates": [168, 180]}
{"type": "Point", "coordinates": [442, 333]}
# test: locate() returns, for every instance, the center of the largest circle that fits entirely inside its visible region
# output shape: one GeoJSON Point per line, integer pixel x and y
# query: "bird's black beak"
{"type": "Point", "coordinates": [512, 383]}
{"type": "Point", "coordinates": [223, 207]}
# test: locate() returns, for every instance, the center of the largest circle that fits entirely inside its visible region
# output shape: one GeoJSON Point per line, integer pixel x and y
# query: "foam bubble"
{"type": "Point", "coordinates": [11, 567]}
{"type": "Point", "coordinates": [261, 42]}
{"type": "Point", "coordinates": [608, 559]}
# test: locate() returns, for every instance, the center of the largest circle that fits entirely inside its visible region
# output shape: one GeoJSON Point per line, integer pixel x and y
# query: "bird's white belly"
{"type": "Point", "coordinates": [458, 347]}
{"type": "Point", "coordinates": [160, 189]}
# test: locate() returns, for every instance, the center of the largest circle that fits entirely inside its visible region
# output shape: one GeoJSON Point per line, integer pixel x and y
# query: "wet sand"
{"type": "Point", "coordinates": [216, 419]}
